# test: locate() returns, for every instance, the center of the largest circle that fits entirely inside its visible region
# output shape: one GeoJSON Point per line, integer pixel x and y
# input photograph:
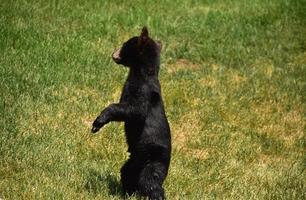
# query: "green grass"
{"type": "Point", "coordinates": [233, 76]}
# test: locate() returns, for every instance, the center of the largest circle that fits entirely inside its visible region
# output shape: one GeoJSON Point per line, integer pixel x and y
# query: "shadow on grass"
{"type": "Point", "coordinates": [96, 183]}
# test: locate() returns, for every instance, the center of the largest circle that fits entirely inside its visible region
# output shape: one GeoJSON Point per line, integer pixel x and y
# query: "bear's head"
{"type": "Point", "coordinates": [139, 52]}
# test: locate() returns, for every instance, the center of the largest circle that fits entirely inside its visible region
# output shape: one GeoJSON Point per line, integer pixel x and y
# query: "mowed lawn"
{"type": "Point", "coordinates": [233, 78]}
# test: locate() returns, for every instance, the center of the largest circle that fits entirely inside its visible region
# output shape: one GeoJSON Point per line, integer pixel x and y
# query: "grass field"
{"type": "Point", "coordinates": [233, 76]}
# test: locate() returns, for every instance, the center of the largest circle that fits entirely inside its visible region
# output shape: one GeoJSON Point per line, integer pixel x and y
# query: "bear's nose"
{"type": "Point", "coordinates": [116, 56]}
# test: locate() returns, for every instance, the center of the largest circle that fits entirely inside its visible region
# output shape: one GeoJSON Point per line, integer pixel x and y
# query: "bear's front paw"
{"type": "Point", "coordinates": [94, 129]}
{"type": "Point", "coordinates": [96, 126]}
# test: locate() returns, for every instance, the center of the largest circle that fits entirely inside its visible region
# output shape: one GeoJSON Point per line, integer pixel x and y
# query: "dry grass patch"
{"type": "Point", "coordinates": [232, 78]}
{"type": "Point", "coordinates": [38, 119]}
{"type": "Point", "coordinates": [268, 168]}
{"type": "Point", "coordinates": [182, 64]}
{"type": "Point", "coordinates": [188, 128]}
{"type": "Point", "coordinates": [300, 59]}
{"type": "Point", "coordinates": [209, 81]}
{"type": "Point", "coordinates": [276, 121]}
{"type": "Point", "coordinates": [73, 93]}
{"type": "Point", "coordinates": [116, 95]}
{"type": "Point", "coordinates": [265, 67]}
{"type": "Point", "coordinates": [200, 9]}
{"type": "Point", "coordinates": [199, 154]}
{"type": "Point", "coordinates": [271, 160]}
{"type": "Point", "coordinates": [66, 114]}
{"type": "Point", "coordinates": [236, 78]}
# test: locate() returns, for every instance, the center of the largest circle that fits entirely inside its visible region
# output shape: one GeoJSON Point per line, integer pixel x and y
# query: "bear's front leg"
{"type": "Point", "coordinates": [114, 112]}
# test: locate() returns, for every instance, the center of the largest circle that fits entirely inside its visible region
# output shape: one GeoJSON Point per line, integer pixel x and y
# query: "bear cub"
{"type": "Point", "coordinates": [142, 110]}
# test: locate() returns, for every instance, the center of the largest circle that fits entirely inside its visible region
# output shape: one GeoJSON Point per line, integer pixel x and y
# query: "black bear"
{"type": "Point", "coordinates": [146, 127]}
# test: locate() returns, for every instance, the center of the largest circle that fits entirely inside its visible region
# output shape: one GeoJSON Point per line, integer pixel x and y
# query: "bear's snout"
{"type": "Point", "coordinates": [116, 56]}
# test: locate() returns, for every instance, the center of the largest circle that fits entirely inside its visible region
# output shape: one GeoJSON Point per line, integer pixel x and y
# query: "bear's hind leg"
{"type": "Point", "coordinates": [129, 177]}
{"type": "Point", "coordinates": [151, 179]}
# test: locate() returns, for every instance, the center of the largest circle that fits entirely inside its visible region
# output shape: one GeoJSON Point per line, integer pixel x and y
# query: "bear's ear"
{"type": "Point", "coordinates": [144, 36]}
{"type": "Point", "coordinates": [144, 33]}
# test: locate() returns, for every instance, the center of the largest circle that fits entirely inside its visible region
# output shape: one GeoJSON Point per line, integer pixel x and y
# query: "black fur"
{"type": "Point", "coordinates": [146, 126]}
